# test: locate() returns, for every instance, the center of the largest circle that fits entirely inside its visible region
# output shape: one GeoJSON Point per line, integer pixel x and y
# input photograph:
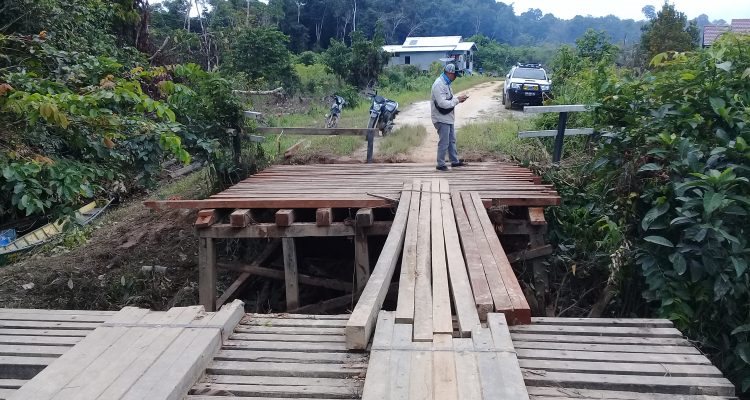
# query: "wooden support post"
{"type": "Point", "coordinates": [561, 123]}
{"type": "Point", "coordinates": [361, 259]}
{"type": "Point", "coordinates": [323, 216]}
{"type": "Point", "coordinates": [541, 278]}
{"type": "Point", "coordinates": [370, 144]}
{"type": "Point", "coordinates": [245, 275]}
{"type": "Point", "coordinates": [206, 218]}
{"type": "Point", "coordinates": [207, 273]}
{"type": "Point", "coordinates": [364, 217]}
{"type": "Point", "coordinates": [290, 273]}
{"type": "Point", "coordinates": [284, 217]}
{"type": "Point", "coordinates": [241, 218]}
{"type": "Point", "coordinates": [536, 216]}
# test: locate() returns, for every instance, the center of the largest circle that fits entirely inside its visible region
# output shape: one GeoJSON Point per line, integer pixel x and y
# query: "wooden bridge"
{"type": "Point", "coordinates": [460, 326]}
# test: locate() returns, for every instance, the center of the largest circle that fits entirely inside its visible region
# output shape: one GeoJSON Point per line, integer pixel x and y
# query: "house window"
{"type": "Point", "coordinates": [407, 60]}
{"type": "Point", "coordinates": [397, 54]}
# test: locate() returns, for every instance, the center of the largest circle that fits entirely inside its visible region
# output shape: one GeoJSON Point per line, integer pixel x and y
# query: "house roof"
{"type": "Point", "coordinates": [430, 44]}
{"type": "Point", "coordinates": [712, 32]}
{"type": "Point", "coordinates": [432, 41]}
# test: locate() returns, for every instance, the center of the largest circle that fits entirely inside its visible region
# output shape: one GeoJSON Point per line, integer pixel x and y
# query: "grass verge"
{"type": "Point", "coordinates": [499, 140]}
{"type": "Point", "coordinates": [401, 141]}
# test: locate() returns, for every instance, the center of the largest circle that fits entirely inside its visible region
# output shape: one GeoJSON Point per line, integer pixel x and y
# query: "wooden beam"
{"type": "Point", "coordinates": [206, 218]}
{"type": "Point", "coordinates": [253, 269]}
{"type": "Point", "coordinates": [324, 216]}
{"type": "Point", "coordinates": [293, 149]}
{"type": "Point", "coordinates": [364, 217]}
{"type": "Point", "coordinates": [315, 131]}
{"type": "Point", "coordinates": [297, 229]}
{"type": "Point", "coordinates": [407, 280]}
{"type": "Point", "coordinates": [242, 279]}
{"type": "Point", "coordinates": [557, 108]}
{"type": "Point", "coordinates": [241, 218]}
{"type": "Point", "coordinates": [530, 254]}
{"type": "Point", "coordinates": [290, 273]}
{"type": "Point", "coordinates": [207, 273]}
{"type": "Point", "coordinates": [536, 216]}
{"type": "Point", "coordinates": [423, 284]}
{"type": "Point", "coordinates": [442, 322]}
{"type": "Point", "coordinates": [284, 217]}
{"type": "Point", "coordinates": [281, 202]}
{"type": "Point", "coordinates": [361, 323]}
{"type": "Point", "coordinates": [551, 133]}
{"type": "Point", "coordinates": [325, 305]}
{"type": "Point", "coordinates": [520, 227]}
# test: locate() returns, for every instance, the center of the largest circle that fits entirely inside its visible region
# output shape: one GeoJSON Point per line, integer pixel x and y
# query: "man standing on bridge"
{"type": "Point", "coordinates": [444, 118]}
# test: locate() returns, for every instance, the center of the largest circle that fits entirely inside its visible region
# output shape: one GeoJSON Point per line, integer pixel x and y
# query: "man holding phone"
{"type": "Point", "coordinates": [443, 117]}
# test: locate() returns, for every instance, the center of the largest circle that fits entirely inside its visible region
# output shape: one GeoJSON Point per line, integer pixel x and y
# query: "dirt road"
{"type": "Point", "coordinates": [484, 104]}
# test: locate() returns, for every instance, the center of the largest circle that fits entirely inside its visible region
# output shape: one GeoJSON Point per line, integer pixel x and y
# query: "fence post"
{"type": "Point", "coordinates": [561, 123]}
{"type": "Point", "coordinates": [370, 142]}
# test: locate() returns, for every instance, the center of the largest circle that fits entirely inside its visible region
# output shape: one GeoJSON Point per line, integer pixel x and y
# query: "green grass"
{"type": "Point", "coordinates": [401, 141]}
{"type": "Point", "coordinates": [314, 146]}
{"type": "Point", "coordinates": [500, 140]}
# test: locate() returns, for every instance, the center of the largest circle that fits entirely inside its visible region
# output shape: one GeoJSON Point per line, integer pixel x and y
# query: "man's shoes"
{"type": "Point", "coordinates": [442, 168]}
{"type": "Point", "coordinates": [459, 164]}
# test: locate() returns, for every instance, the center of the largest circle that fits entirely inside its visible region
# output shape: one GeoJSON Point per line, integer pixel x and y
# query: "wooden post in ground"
{"type": "Point", "coordinates": [290, 273]}
{"type": "Point", "coordinates": [207, 273]}
{"type": "Point", "coordinates": [561, 123]}
{"type": "Point", "coordinates": [364, 219]}
{"type": "Point", "coordinates": [370, 145]}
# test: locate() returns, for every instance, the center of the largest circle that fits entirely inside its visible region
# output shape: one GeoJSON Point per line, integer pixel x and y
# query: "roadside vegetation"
{"type": "Point", "coordinates": [398, 144]}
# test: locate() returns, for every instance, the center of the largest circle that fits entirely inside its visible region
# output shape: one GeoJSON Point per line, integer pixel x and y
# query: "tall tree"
{"type": "Point", "coordinates": [669, 31]}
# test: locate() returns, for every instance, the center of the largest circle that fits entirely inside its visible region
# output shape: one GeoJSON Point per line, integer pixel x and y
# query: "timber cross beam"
{"type": "Point", "coordinates": [562, 122]}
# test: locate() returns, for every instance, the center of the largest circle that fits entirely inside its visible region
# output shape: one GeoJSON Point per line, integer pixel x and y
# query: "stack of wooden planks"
{"type": "Point", "coordinates": [433, 271]}
{"type": "Point", "coordinates": [481, 367]}
{"type": "Point", "coordinates": [284, 356]}
{"type": "Point", "coordinates": [493, 282]}
{"type": "Point", "coordinates": [589, 358]}
{"type": "Point", "coordinates": [369, 185]}
{"type": "Point", "coordinates": [30, 340]}
{"type": "Point", "coordinates": [136, 354]}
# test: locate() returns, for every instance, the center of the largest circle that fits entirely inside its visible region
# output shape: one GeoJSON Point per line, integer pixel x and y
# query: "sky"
{"type": "Point", "coordinates": [631, 9]}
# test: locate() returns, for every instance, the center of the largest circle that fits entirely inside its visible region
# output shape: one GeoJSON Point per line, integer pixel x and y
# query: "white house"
{"type": "Point", "coordinates": [423, 51]}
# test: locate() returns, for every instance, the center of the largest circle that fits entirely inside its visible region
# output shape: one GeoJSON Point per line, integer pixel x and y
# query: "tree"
{"type": "Point", "coordinates": [649, 12]}
{"type": "Point", "coordinates": [669, 31]}
{"type": "Point", "coordinates": [261, 54]}
{"type": "Point", "coordinates": [596, 46]}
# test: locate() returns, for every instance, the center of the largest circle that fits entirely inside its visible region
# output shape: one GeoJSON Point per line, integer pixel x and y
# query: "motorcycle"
{"type": "Point", "coordinates": [382, 114]}
{"type": "Point", "coordinates": [332, 118]}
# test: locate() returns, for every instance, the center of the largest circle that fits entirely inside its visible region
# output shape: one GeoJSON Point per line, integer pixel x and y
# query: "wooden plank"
{"type": "Point", "coordinates": [293, 149]}
{"type": "Point", "coordinates": [288, 338]}
{"type": "Point", "coordinates": [314, 131]}
{"type": "Point", "coordinates": [326, 347]}
{"type": "Point", "coordinates": [276, 391]}
{"type": "Point", "coordinates": [207, 273]}
{"type": "Point", "coordinates": [241, 218]}
{"type": "Point", "coordinates": [290, 273]}
{"type": "Point", "coordinates": [444, 368]}
{"type": "Point", "coordinates": [478, 279]}
{"type": "Point", "coordinates": [48, 325]}
{"type": "Point", "coordinates": [289, 356]}
{"type": "Point", "coordinates": [39, 340]}
{"type": "Point", "coordinates": [19, 311]}
{"type": "Point", "coordinates": [420, 376]}
{"type": "Point", "coordinates": [270, 321]}
{"type": "Point", "coordinates": [53, 317]}
{"type": "Point", "coordinates": [407, 279]}
{"type": "Point", "coordinates": [79, 333]}
{"type": "Point", "coordinates": [530, 254]}
{"type": "Point", "coordinates": [636, 322]}
{"type": "Point", "coordinates": [521, 312]}
{"type": "Point", "coordinates": [648, 341]}
{"type": "Point", "coordinates": [536, 216]}
{"type": "Point", "coordinates": [400, 362]}
{"type": "Point", "coordinates": [466, 309]}
{"type": "Point", "coordinates": [299, 229]}
{"type": "Point", "coordinates": [244, 276]}
{"type": "Point", "coordinates": [553, 132]}
{"type": "Point", "coordinates": [423, 282]}
{"type": "Point", "coordinates": [49, 381]}
{"type": "Point", "coordinates": [284, 217]}
{"type": "Point", "coordinates": [612, 348]}
{"type": "Point", "coordinates": [621, 368]}
{"type": "Point", "coordinates": [286, 369]}
{"type": "Point", "coordinates": [360, 325]}
{"type": "Point", "coordinates": [442, 321]}
{"type": "Point", "coordinates": [323, 216]}
{"type": "Point", "coordinates": [634, 383]}
{"type": "Point", "coordinates": [649, 358]}
{"type": "Point", "coordinates": [467, 373]}
{"type": "Point", "coordinates": [278, 381]}
{"type": "Point", "coordinates": [206, 218]}
{"type": "Point", "coordinates": [499, 331]}
{"type": "Point", "coordinates": [560, 392]}
{"type": "Point", "coordinates": [32, 350]}
{"type": "Point", "coordinates": [12, 383]}
{"type": "Point", "coordinates": [279, 274]}
{"type": "Point", "coordinates": [377, 382]}
{"type": "Point", "coordinates": [495, 281]}
{"type": "Point", "coordinates": [557, 108]}
{"type": "Point", "coordinates": [598, 331]}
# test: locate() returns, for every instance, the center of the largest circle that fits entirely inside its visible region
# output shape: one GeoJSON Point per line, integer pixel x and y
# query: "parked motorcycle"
{"type": "Point", "coordinates": [332, 118]}
{"type": "Point", "coordinates": [382, 114]}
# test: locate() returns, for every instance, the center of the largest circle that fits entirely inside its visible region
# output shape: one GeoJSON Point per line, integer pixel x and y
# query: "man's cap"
{"type": "Point", "coordinates": [450, 68]}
